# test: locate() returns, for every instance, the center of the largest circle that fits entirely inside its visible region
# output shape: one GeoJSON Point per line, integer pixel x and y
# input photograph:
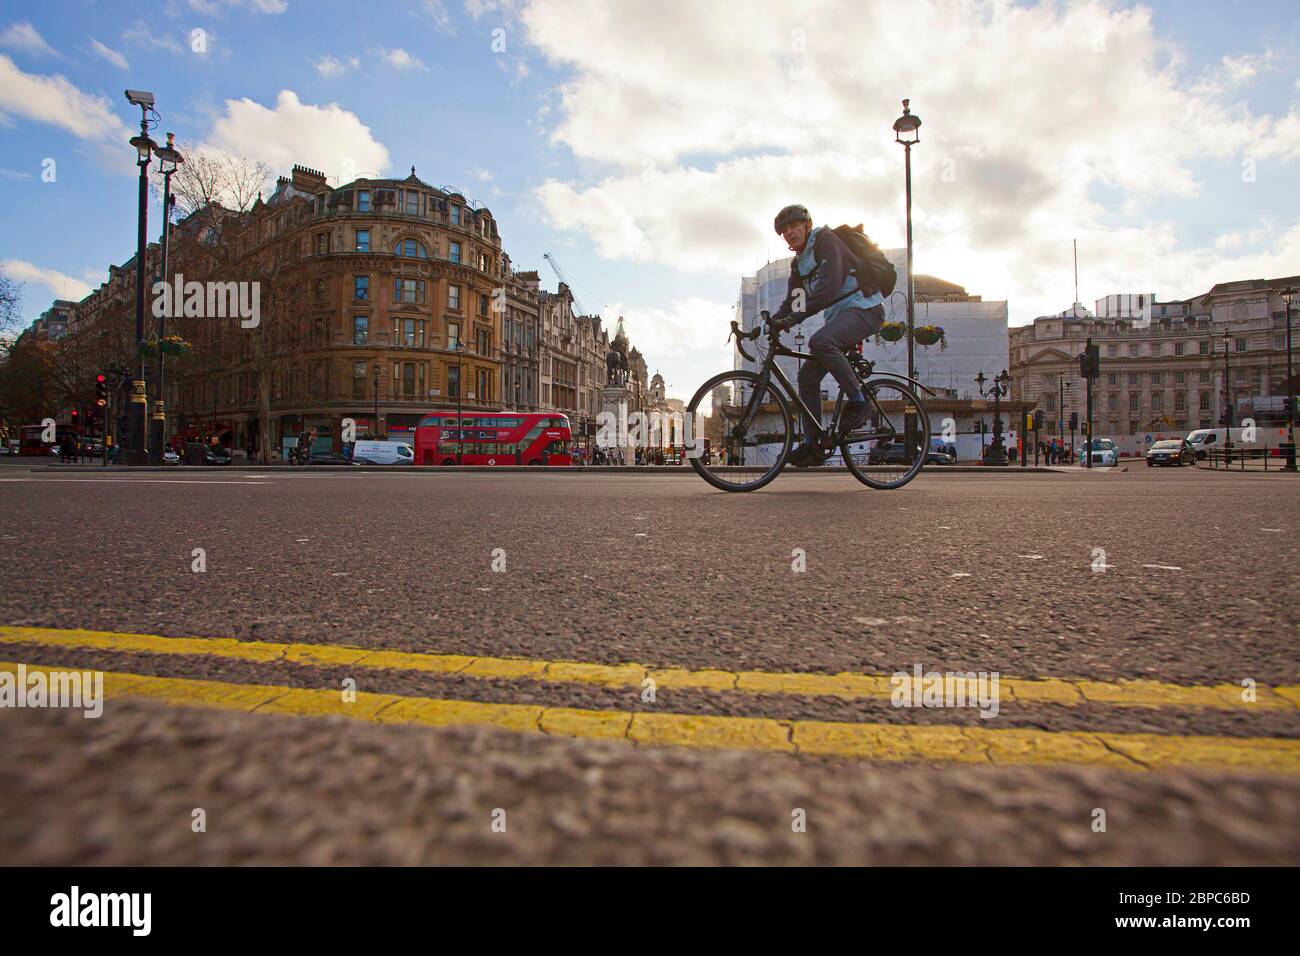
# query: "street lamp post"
{"type": "Point", "coordinates": [1288, 294]}
{"type": "Point", "coordinates": [1227, 396]}
{"type": "Point", "coordinates": [374, 424]}
{"type": "Point", "coordinates": [1060, 423]}
{"type": "Point", "coordinates": [906, 133]}
{"type": "Point", "coordinates": [168, 159]}
{"type": "Point", "coordinates": [144, 147]}
{"type": "Point", "coordinates": [460, 391]}
{"type": "Point", "coordinates": [996, 453]}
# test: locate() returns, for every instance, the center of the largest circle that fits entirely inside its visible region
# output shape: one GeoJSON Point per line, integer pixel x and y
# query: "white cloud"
{"type": "Point", "coordinates": [328, 138]}
{"type": "Point", "coordinates": [700, 120]}
{"type": "Point", "coordinates": [60, 285]}
{"type": "Point", "coordinates": [213, 7]}
{"type": "Point", "coordinates": [480, 8]}
{"type": "Point", "coordinates": [25, 37]}
{"type": "Point", "coordinates": [436, 11]}
{"type": "Point", "coordinates": [139, 34]}
{"type": "Point", "coordinates": [328, 66]}
{"type": "Point", "coordinates": [112, 56]}
{"type": "Point", "coordinates": [399, 59]}
{"type": "Point", "coordinates": [482, 175]}
{"type": "Point", "coordinates": [687, 329]}
{"type": "Point", "coordinates": [56, 101]}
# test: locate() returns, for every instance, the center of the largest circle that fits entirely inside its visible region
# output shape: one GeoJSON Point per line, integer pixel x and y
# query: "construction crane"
{"type": "Point", "coordinates": [560, 273]}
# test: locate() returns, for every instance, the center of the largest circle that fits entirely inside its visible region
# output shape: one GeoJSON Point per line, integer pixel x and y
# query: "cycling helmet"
{"type": "Point", "coordinates": [789, 214]}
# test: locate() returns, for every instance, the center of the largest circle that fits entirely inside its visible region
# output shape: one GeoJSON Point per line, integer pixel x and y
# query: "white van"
{"type": "Point", "coordinates": [1205, 440]}
{"type": "Point", "coordinates": [382, 453]}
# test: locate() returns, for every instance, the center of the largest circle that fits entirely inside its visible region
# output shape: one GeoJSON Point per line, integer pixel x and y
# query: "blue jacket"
{"type": "Point", "coordinates": [822, 271]}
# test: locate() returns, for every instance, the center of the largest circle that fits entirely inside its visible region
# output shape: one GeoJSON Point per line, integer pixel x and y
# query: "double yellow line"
{"type": "Point", "coordinates": [877, 741]}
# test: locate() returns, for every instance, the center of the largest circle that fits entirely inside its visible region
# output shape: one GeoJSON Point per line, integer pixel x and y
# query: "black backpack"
{"type": "Point", "coordinates": [874, 272]}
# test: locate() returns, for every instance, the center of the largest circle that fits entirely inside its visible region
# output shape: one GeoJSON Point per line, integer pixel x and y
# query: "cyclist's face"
{"type": "Point", "coordinates": [795, 235]}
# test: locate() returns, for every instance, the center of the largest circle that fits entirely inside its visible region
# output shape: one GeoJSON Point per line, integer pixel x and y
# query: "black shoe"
{"type": "Point", "coordinates": [807, 455]}
{"type": "Point", "coordinates": [855, 415]}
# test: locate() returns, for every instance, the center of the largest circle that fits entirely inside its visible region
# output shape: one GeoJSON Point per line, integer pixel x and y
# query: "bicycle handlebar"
{"type": "Point", "coordinates": [742, 337]}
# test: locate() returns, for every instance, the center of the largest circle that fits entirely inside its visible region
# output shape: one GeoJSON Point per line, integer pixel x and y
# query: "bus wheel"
{"type": "Point", "coordinates": [448, 461]}
{"type": "Point", "coordinates": [535, 461]}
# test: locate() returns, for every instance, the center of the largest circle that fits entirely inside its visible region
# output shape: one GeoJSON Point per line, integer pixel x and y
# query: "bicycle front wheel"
{"type": "Point", "coordinates": [877, 452]}
{"type": "Point", "coordinates": [745, 429]}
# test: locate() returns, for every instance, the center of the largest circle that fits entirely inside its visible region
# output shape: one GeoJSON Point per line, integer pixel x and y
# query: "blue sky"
{"type": "Point", "coordinates": [647, 145]}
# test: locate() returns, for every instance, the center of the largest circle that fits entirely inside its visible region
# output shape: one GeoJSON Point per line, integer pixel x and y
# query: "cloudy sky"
{"type": "Point", "coordinates": [647, 143]}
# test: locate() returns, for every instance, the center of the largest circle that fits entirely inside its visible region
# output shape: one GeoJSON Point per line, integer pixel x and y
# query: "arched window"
{"type": "Point", "coordinates": [411, 249]}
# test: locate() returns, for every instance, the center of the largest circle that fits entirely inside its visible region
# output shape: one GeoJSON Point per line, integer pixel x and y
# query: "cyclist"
{"type": "Point", "coordinates": [821, 270]}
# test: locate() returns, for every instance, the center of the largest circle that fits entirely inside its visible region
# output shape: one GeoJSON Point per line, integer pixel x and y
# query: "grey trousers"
{"type": "Point", "coordinates": [827, 344]}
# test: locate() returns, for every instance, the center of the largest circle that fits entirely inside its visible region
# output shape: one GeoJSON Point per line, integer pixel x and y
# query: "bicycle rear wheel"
{"type": "Point", "coordinates": [748, 432]}
{"type": "Point", "coordinates": [876, 452]}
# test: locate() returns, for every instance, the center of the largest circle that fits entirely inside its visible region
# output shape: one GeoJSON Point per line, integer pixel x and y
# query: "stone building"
{"type": "Point", "coordinates": [382, 300]}
{"type": "Point", "coordinates": [1162, 363]}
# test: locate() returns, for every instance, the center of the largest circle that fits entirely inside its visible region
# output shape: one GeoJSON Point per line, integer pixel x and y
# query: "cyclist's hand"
{"type": "Point", "coordinates": [781, 324]}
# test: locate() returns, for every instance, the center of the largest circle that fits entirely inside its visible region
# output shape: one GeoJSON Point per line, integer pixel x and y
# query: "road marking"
{"type": "Point", "coordinates": [889, 742]}
{"type": "Point", "coordinates": [847, 685]}
{"type": "Point", "coordinates": [132, 480]}
{"type": "Point", "coordinates": [1162, 567]}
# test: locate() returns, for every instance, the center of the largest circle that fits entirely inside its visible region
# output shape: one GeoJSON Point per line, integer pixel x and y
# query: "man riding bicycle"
{"type": "Point", "coordinates": [821, 280]}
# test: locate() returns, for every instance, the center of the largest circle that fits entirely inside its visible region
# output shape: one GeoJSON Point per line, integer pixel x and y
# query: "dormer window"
{"type": "Point", "coordinates": [455, 215]}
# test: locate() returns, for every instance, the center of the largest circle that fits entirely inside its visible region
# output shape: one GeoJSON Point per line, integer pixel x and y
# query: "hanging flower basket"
{"type": "Point", "coordinates": [930, 335]}
{"type": "Point", "coordinates": [174, 345]}
{"type": "Point", "coordinates": [171, 345]}
{"type": "Point", "coordinates": [892, 331]}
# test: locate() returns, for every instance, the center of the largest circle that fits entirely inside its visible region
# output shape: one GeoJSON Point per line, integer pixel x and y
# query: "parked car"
{"type": "Point", "coordinates": [197, 453]}
{"type": "Point", "coordinates": [170, 457]}
{"type": "Point", "coordinates": [941, 453]}
{"type": "Point", "coordinates": [1104, 453]}
{"type": "Point", "coordinates": [382, 453]}
{"type": "Point", "coordinates": [892, 454]}
{"type": "Point", "coordinates": [1171, 451]}
{"type": "Point", "coordinates": [327, 458]}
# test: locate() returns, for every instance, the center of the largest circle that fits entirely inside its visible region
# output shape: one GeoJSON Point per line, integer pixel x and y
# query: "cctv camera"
{"type": "Point", "coordinates": [140, 98]}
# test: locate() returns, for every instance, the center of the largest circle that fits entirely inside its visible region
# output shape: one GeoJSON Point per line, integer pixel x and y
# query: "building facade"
{"type": "Point", "coordinates": [1162, 363]}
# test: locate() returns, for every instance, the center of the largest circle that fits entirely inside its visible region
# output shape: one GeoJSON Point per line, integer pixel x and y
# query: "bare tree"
{"type": "Point", "coordinates": [11, 295]}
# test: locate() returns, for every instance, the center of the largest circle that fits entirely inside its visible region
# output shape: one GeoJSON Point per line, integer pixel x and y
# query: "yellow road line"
{"type": "Point", "coordinates": [849, 686]}
{"type": "Point", "coordinates": [889, 742]}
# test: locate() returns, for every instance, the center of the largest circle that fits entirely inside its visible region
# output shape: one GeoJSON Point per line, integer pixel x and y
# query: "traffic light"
{"type": "Point", "coordinates": [1090, 362]}
{"type": "Point", "coordinates": [1029, 422]}
{"type": "Point", "coordinates": [1084, 429]}
{"type": "Point", "coordinates": [101, 390]}
{"type": "Point", "coordinates": [1074, 421]}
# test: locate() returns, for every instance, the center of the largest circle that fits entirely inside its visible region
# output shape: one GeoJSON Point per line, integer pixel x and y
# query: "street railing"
{"type": "Point", "coordinates": [1227, 457]}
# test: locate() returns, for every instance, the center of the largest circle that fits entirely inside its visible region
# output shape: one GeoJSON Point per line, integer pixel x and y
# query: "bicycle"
{"type": "Point", "coordinates": [748, 433]}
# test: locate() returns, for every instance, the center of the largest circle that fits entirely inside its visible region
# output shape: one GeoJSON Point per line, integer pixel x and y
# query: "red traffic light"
{"type": "Point", "coordinates": [101, 378]}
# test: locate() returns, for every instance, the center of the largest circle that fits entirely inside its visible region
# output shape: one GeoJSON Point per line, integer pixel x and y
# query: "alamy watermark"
{"type": "Point", "coordinates": [83, 690]}
{"type": "Point", "coordinates": [626, 429]}
{"type": "Point", "coordinates": [923, 688]}
{"type": "Point", "coordinates": [209, 300]}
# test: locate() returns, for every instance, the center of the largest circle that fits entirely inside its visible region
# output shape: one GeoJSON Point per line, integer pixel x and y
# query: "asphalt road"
{"type": "Point", "coordinates": [1169, 578]}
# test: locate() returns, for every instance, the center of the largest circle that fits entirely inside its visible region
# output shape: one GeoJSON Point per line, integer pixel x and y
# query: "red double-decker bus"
{"type": "Point", "coordinates": [493, 438]}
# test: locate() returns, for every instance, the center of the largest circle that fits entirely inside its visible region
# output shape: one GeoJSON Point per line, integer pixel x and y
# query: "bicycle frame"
{"type": "Point", "coordinates": [770, 370]}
